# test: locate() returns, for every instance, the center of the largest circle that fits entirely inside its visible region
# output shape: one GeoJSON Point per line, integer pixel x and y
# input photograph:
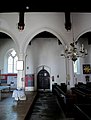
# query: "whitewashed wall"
{"type": "Point", "coordinates": [5, 46]}
{"type": "Point", "coordinates": [38, 22]}
{"type": "Point", "coordinates": [85, 60]}
{"type": "Point", "coordinates": [46, 51]}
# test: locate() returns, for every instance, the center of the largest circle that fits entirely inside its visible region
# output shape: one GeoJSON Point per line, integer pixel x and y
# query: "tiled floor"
{"type": "Point", "coordinates": [11, 110]}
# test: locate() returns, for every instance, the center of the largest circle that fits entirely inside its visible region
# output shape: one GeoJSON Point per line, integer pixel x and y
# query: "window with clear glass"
{"type": "Point", "coordinates": [12, 61]}
{"type": "Point", "coordinates": [15, 61]}
{"type": "Point", "coordinates": [77, 66]}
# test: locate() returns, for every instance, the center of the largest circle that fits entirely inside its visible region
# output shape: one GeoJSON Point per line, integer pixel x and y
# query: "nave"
{"type": "Point", "coordinates": [46, 107]}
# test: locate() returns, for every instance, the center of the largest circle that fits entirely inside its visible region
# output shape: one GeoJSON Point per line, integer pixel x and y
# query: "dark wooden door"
{"type": "Point", "coordinates": [43, 79]}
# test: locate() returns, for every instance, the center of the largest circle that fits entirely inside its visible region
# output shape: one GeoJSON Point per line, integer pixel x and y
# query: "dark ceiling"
{"type": "Point", "coordinates": [45, 34]}
{"type": "Point", "coordinates": [88, 36]}
{"type": "Point", "coordinates": [45, 6]}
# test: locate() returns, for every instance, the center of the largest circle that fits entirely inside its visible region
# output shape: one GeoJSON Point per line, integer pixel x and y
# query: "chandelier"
{"type": "Point", "coordinates": [73, 52]}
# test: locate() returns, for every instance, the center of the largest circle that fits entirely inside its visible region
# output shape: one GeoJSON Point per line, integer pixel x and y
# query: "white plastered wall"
{"type": "Point", "coordinates": [81, 23]}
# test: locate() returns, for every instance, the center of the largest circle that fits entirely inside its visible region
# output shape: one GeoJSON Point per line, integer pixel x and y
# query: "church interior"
{"type": "Point", "coordinates": [45, 60]}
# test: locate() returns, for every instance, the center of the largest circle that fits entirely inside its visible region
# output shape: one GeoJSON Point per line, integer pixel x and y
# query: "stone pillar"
{"type": "Point", "coordinates": [67, 71]}
{"type": "Point", "coordinates": [21, 74]}
{"type": "Point", "coordinates": [71, 73]}
{"type": "Point", "coordinates": [67, 74]}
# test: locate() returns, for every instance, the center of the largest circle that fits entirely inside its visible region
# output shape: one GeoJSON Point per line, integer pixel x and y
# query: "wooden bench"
{"type": "Point", "coordinates": [83, 94]}
{"type": "Point", "coordinates": [3, 88]}
{"type": "Point", "coordinates": [82, 111]}
{"type": "Point", "coordinates": [66, 100]}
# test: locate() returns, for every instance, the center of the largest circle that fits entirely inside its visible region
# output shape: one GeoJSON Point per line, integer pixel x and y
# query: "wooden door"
{"type": "Point", "coordinates": [43, 79]}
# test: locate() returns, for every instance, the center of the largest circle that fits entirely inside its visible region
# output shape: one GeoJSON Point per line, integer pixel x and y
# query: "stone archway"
{"type": "Point", "coordinates": [43, 79]}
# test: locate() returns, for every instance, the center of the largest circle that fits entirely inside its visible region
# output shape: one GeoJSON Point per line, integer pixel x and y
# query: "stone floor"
{"type": "Point", "coordinates": [46, 107]}
{"type": "Point", "coordinates": [42, 106]}
{"type": "Point", "coordinates": [12, 110]}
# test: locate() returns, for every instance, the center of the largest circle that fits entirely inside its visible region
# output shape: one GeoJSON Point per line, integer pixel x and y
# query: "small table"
{"type": "Point", "coordinates": [19, 95]}
{"type": "Point", "coordinates": [3, 88]}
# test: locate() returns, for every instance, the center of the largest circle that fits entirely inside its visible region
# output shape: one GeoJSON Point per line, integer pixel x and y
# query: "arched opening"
{"type": "Point", "coordinates": [45, 49]}
{"type": "Point", "coordinates": [43, 79]}
{"type": "Point", "coordinates": [84, 39]}
{"type": "Point", "coordinates": [8, 60]}
{"type": "Point", "coordinates": [12, 61]}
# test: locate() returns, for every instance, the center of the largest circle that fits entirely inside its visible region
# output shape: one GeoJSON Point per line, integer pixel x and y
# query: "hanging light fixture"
{"type": "Point", "coordinates": [73, 52]}
{"type": "Point", "coordinates": [21, 21]}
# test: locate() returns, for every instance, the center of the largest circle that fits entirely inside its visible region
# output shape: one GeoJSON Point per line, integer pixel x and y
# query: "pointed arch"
{"type": "Point", "coordinates": [32, 35]}
{"type": "Point", "coordinates": [81, 33]}
{"type": "Point", "coordinates": [10, 60]}
{"type": "Point", "coordinates": [12, 36]}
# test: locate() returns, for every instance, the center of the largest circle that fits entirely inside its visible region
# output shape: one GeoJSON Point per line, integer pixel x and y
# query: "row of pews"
{"type": "Point", "coordinates": [65, 99]}
{"type": "Point", "coordinates": [77, 102]}
{"type": "Point", "coordinates": [82, 108]}
{"type": "Point", "coordinates": [83, 92]}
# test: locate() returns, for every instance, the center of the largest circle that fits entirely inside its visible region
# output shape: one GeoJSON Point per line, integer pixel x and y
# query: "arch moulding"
{"type": "Point", "coordinates": [12, 37]}
{"type": "Point", "coordinates": [82, 32]}
{"type": "Point", "coordinates": [33, 34]}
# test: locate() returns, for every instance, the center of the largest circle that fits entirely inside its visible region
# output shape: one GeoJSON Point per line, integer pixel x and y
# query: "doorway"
{"type": "Point", "coordinates": [43, 79]}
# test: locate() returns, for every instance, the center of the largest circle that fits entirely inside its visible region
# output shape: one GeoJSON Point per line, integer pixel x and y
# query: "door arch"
{"type": "Point", "coordinates": [43, 79]}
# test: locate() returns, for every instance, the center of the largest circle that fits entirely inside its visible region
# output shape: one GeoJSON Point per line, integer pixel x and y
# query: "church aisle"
{"type": "Point", "coordinates": [12, 110]}
{"type": "Point", "coordinates": [46, 108]}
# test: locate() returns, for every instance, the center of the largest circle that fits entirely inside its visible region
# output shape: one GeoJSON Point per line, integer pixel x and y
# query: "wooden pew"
{"type": "Point", "coordinates": [2, 88]}
{"type": "Point", "coordinates": [82, 111]}
{"type": "Point", "coordinates": [65, 100]}
{"type": "Point", "coordinates": [83, 93]}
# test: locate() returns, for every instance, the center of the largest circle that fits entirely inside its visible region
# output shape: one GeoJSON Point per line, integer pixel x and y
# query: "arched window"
{"type": "Point", "coordinates": [77, 66]}
{"type": "Point", "coordinates": [12, 60]}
